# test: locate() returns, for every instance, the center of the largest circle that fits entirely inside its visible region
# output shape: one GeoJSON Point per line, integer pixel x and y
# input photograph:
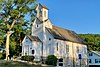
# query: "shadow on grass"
{"type": "Point", "coordinates": [17, 64]}
{"type": "Point", "coordinates": [4, 63]}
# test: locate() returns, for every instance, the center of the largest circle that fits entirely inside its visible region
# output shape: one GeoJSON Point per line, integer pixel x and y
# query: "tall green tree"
{"type": "Point", "coordinates": [2, 33]}
{"type": "Point", "coordinates": [15, 16]}
{"type": "Point", "coordinates": [93, 41]}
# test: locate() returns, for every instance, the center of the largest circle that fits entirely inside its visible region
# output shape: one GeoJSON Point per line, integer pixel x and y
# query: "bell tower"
{"type": "Point", "coordinates": [42, 12]}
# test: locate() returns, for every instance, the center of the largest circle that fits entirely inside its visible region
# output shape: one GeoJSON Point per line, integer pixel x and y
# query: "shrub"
{"type": "Point", "coordinates": [2, 55]}
{"type": "Point", "coordinates": [51, 60]}
{"type": "Point", "coordinates": [27, 58]}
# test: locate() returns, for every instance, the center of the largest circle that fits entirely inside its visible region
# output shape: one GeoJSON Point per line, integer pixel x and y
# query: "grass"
{"type": "Point", "coordinates": [16, 64]}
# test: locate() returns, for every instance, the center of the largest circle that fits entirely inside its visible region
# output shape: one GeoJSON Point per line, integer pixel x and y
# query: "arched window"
{"type": "Point", "coordinates": [32, 51]}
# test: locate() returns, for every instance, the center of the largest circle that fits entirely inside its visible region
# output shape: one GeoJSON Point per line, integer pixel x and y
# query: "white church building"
{"type": "Point", "coordinates": [47, 39]}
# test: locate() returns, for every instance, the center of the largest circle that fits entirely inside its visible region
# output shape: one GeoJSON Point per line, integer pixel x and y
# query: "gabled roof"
{"type": "Point", "coordinates": [96, 52]}
{"type": "Point", "coordinates": [34, 38]}
{"type": "Point", "coordinates": [55, 34]}
{"type": "Point", "coordinates": [39, 20]}
{"type": "Point", "coordinates": [43, 6]}
{"type": "Point", "coordinates": [64, 34]}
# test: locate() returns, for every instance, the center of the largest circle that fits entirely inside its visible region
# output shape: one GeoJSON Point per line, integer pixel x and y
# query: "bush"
{"type": "Point", "coordinates": [2, 55]}
{"type": "Point", "coordinates": [27, 58]}
{"type": "Point", "coordinates": [51, 60]}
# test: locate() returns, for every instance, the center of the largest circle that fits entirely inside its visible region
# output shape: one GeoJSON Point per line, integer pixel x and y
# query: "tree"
{"type": "Point", "coordinates": [93, 41]}
{"type": "Point", "coordinates": [13, 15]}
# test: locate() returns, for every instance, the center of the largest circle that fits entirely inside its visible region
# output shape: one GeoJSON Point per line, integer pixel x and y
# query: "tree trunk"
{"type": "Point", "coordinates": [7, 44]}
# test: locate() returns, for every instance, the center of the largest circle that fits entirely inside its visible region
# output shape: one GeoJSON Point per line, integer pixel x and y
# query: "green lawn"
{"type": "Point", "coordinates": [16, 64]}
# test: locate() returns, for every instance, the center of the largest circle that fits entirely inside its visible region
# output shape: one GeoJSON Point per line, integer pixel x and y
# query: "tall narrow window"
{"type": "Point", "coordinates": [57, 46]}
{"type": "Point", "coordinates": [40, 12]}
{"type": "Point", "coordinates": [60, 62]}
{"type": "Point", "coordinates": [42, 49]}
{"type": "Point", "coordinates": [67, 48]}
{"type": "Point", "coordinates": [37, 26]}
{"type": "Point", "coordinates": [85, 50]}
{"type": "Point", "coordinates": [77, 49]}
{"type": "Point", "coordinates": [50, 49]}
{"type": "Point", "coordinates": [44, 13]}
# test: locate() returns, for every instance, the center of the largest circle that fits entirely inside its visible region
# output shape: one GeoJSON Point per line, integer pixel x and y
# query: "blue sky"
{"type": "Point", "coordinates": [81, 16]}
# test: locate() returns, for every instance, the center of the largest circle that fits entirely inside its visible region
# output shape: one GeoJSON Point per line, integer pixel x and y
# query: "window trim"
{"type": "Point", "coordinates": [44, 13]}
{"type": "Point", "coordinates": [67, 48]}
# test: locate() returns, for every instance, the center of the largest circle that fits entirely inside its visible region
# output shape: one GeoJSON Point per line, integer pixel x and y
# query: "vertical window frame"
{"type": "Point", "coordinates": [57, 46]}
{"type": "Point", "coordinates": [77, 49]}
{"type": "Point", "coordinates": [33, 51]}
{"type": "Point", "coordinates": [40, 14]}
{"type": "Point", "coordinates": [67, 48]}
{"type": "Point", "coordinates": [44, 13]}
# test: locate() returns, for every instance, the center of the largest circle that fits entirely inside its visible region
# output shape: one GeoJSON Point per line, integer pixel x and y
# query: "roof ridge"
{"type": "Point", "coordinates": [95, 52]}
{"type": "Point", "coordinates": [62, 28]}
{"type": "Point", "coordinates": [43, 6]}
{"type": "Point", "coordinates": [68, 34]}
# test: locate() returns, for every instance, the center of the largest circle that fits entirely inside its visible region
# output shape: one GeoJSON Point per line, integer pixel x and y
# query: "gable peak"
{"type": "Point", "coordinates": [43, 6]}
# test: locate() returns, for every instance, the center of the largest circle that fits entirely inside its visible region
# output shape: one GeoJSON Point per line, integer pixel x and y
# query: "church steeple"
{"type": "Point", "coordinates": [42, 12]}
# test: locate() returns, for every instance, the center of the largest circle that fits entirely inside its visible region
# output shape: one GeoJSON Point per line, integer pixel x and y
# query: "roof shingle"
{"type": "Point", "coordinates": [64, 34]}
{"type": "Point", "coordinates": [34, 38]}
